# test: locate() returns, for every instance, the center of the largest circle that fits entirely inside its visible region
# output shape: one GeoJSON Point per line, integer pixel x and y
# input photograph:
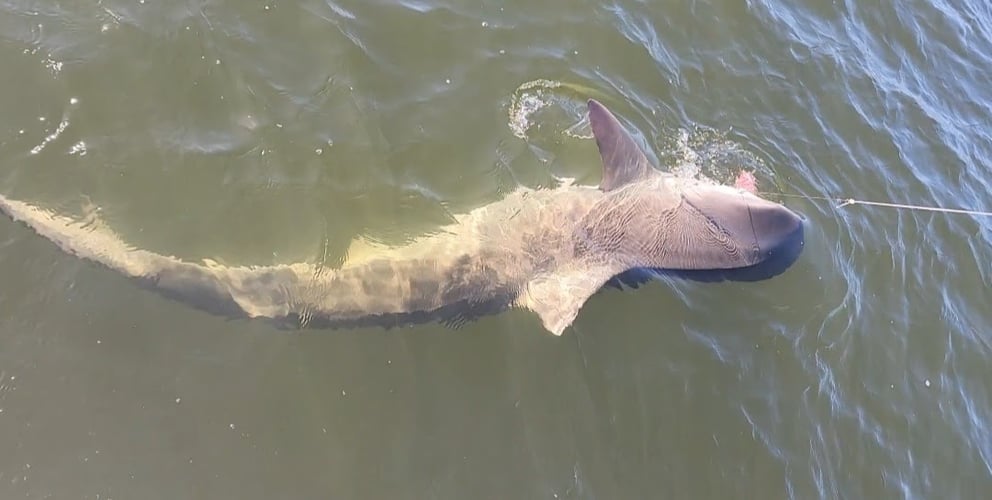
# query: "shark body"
{"type": "Point", "coordinates": [544, 250]}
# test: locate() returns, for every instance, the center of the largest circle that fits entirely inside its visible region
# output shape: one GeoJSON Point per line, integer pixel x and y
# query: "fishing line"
{"type": "Point", "coordinates": [844, 202]}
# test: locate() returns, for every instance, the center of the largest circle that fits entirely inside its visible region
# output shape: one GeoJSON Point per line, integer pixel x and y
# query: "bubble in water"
{"type": "Point", "coordinates": [50, 137]}
{"type": "Point", "coordinates": [78, 148]}
{"type": "Point", "coordinates": [247, 121]}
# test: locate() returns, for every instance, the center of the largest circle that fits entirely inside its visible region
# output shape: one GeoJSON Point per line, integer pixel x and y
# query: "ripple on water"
{"type": "Point", "coordinates": [544, 111]}
{"type": "Point", "coordinates": [894, 98]}
{"type": "Point", "coordinates": [872, 382]}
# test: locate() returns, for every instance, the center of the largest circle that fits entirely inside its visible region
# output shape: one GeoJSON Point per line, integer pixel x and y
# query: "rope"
{"type": "Point", "coordinates": [852, 201]}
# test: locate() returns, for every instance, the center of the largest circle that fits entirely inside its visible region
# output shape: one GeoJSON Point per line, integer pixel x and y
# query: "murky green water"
{"type": "Point", "coordinates": [258, 133]}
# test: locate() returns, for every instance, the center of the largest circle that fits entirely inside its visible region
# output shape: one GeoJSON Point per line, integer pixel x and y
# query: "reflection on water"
{"type": "Point", "coordinates": [269, 133]}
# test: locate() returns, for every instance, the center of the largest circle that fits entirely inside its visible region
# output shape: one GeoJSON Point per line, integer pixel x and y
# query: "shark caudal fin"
{"type": "Point", "coordinates": [227, 291]}
{"type": "Point", "coordinates": [93, 243]}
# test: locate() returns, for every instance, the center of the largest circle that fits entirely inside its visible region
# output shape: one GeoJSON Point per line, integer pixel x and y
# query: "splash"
{"type": "Point", "coordinates": [543, 111]}
{"type": "Point", "coordinates": [707, 153]}
{"type": "Point", "coordinates": [533, 98]}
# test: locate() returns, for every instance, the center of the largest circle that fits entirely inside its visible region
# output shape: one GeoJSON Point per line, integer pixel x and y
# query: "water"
{"type": "Point", "coordinates": [254, 132]}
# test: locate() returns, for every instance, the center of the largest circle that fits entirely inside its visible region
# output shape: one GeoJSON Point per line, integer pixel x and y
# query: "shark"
{"type": "Point", "coordinates": [547, 250]}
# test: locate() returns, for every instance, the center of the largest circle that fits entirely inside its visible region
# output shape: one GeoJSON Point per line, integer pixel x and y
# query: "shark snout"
{"type": "Point", "coordinates": [777, 231]}
{"type": "Point", "coordinates": [755, 230]}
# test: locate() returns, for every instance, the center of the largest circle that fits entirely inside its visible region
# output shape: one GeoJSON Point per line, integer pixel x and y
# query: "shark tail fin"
{"type": "Point", "coordinates": [212, 288]}
{"type": "Point", "coordinates": [92, 243]}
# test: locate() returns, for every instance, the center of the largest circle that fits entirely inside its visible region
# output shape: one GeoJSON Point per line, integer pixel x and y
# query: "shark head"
{"type": "Point", "coordinates": [688, 227]}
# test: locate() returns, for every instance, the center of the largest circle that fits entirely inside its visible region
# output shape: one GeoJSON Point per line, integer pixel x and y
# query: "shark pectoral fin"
{"type": "Point", "coordinates": [557, 297]}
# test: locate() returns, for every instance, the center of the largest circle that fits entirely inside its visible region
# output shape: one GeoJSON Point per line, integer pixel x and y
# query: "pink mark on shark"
{"type": "Point", "coordinates": [747, 181]}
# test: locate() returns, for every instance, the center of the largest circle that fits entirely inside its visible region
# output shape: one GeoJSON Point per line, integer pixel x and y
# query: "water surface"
{"type": "Point", "coordinates": [259, 133]}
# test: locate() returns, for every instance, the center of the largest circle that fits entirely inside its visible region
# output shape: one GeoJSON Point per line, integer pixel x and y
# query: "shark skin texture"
{"type": "Point", "coordinates": [544, 250]}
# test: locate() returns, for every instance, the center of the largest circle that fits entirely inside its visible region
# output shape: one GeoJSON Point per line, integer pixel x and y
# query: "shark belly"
{"type": "Point", "coordinates": [393, 292]}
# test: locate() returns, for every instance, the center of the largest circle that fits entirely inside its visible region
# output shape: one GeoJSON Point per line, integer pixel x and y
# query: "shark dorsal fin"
{"type": "Point", "coordinates": [557, 297]}
{"type": "Point", "coordinates": [623, 160]}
